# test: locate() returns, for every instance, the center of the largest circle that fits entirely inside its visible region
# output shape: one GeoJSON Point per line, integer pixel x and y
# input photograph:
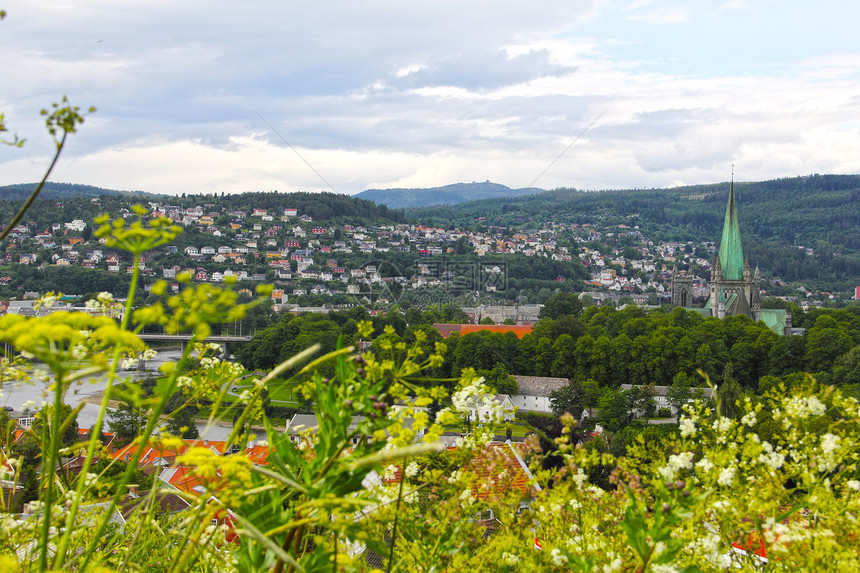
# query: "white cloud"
{"type": "Point", "coordinates": [376, 94]}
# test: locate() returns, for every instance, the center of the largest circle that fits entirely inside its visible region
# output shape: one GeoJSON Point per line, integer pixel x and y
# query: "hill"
{"type": "Point", "coordinates": [53, 190]}
{"type": "Point", "coordinates": [798, 228]}
{"type": "Point", "coordinates": [446, 195]}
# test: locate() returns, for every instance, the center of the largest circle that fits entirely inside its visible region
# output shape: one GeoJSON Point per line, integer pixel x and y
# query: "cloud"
{"type": "Point", "coordinates": [377, 94]}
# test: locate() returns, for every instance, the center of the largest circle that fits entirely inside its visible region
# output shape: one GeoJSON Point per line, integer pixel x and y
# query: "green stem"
{"type": "Point", "coordinates": [97, 429]}
{"type": "Point", "coordinates": [397, 514]}
{"type": "Point", "coordinates": [154, 418]}
{"type": "Point", "coordinates": [36, 191]}
{"type": "Point", "coordinates": [50, 437]}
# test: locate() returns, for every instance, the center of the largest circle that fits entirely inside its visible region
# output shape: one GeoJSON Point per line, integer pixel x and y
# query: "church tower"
{"type": "Point", "coordinates": [735, 288]}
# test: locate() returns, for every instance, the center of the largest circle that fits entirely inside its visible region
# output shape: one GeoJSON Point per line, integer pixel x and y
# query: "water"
{"type": "Point", "coordinates": [16, 394]}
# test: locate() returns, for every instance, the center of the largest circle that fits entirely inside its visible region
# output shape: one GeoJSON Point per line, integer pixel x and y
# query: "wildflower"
{"type": "Point", "coordinates": [853, 484]}
{"type": "Point", "coordinates": [677, 462]}
{"type": "Point", "coordinates": [688, 427]}
{"type": "Point", "coordinates": [412, 469]}
{"type": "Point", "coordinates": [579, 477]}
{"type": "Point", "coordinates": [727, 476]}
{"type": "Point", "coordinates": [510, 558]}
{"type": "Point", "coordinates": [557, 557]}
{"type": "Point", "coordinates": [749, 419]}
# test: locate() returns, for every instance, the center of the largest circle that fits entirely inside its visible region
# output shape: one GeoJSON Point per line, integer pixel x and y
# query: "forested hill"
{"type": "Point", "coordinates": [323, 207]}
{"type": "Point", "coordinates": [447, 195]}
{"type": "Point", "coordinates": [53, 190]}
{"type": "Point", "coordinates": [795, 211]}
{"type": "Point", "coordinates": [320, 206]}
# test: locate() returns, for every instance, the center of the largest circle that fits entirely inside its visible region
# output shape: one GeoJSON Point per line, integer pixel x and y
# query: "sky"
{"type": "Point", "coordinates": [203, 96]}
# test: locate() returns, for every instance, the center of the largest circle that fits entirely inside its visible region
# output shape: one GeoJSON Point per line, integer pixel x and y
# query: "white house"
{"type": "Point", "coordinates": [533, 392]}
{"type": "Point", "coordinates": [483, 410]}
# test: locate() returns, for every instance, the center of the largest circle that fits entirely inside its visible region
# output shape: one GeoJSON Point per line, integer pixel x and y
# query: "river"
{"type": "Point", "coordinates": [16, 394]}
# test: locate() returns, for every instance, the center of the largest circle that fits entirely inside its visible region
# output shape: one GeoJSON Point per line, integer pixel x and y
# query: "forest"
{"type": "Point", "coordinates": [607, 346]}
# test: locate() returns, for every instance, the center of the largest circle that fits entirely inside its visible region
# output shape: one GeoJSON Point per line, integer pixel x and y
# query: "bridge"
{"type": "Point", "coordinates": [182, 338]}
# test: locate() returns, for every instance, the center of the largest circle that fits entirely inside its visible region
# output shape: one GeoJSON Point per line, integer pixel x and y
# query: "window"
{"type": "Point", "coordinates": [213, 522]}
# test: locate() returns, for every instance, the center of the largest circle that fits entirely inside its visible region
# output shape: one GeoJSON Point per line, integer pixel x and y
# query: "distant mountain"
{"type": "Point", "coordinates": [447, 195]}
{"type": "Point", "coordinates": [53, 190]}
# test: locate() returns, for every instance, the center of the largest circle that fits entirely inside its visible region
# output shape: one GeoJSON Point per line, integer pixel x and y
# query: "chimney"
{"type": "Point", "coordinates": [132, 490]}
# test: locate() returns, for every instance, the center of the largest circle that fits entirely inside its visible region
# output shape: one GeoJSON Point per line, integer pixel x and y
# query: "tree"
{"type": "Point", "coordinates": [70, 433]}
{"type": "Point", "coordinates": [617, 408]}
{"type": "Point", "coordinates": [729, 394]}
{"type": "Point", "coordinates": [679, 392]}
{"type": "Point", "coordinates": [825, 343]}
{"type": "Point", "coordinates": [126, 421]}
{"type": "Point", "coordinates": [499, 379]}
{"type": "Point", "coordinates": [568, 399]}
{"type": "Point", "coordinates": [561, 304]}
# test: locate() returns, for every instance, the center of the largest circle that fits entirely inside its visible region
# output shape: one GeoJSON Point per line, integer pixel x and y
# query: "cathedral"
{"type": "Point", "coordinates": [734, 286]}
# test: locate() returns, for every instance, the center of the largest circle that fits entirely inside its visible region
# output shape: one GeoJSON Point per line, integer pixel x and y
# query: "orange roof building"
{"type": "Point", "coordinates": [462, 329]}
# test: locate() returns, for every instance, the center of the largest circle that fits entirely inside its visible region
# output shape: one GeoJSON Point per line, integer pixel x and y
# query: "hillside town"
{"type": "Point", "coordinates": [322, 264]}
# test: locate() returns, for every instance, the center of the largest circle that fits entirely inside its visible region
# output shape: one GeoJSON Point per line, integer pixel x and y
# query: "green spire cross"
{"type": "Point", "coordinates": [731, 253]}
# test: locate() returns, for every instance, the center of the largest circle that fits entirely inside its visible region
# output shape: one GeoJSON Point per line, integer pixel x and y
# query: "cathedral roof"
{"type": "Point", "coordinates": [731, 254]}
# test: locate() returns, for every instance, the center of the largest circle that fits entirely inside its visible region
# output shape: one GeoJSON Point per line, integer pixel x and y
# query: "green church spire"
{"type": "Point", "coordinates": [731, 254]}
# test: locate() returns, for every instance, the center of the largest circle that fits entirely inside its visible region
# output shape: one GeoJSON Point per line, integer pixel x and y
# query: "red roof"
{"type": "Point", "coordinates": [447, 329]}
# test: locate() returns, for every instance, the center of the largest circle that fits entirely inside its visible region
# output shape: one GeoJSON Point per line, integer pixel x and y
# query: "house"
{"type": "Point", "coordinates": [482, 409]}
{"type": "Point", "coordinates": [533, 392]}
{"type": "Point", "coordinates": [190, 251]}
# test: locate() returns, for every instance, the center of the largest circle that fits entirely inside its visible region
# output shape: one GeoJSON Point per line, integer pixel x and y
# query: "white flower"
{"type": "Point", "coordinates": [805, 407]}
{"type": "Point", "coordinates": [678, 462]}
{"type": "Point", "coordinates": [614, 565]}
{"type": "Point", "coordinates": [557, 557]}
{"type": "Point", "coordinates": [829, 443]}
{"type": "Point", "coordinates": [510, 558]}
{"type": "Point", "coordinates": [390, 473]}
{"type": "Point", "coordinates": [749, 419]}
{"type": "Point", "coordinates": [774, 460]}
{"type": "Point", "coordinates": [722, 425]}
{"type": "Point", "coordinates": [467, 497]}
{"type": "Point", "coordinates": [853, 484]}
{"type": "Point", "coordinates": [688, 427]}
{"type": "Point", "coordinates": [90, 479]}
{"type": "Point", "coordinates": [412, 469]}
{"type": "Point", "coordinates": [574, 504]}
{"type": "Point", "coordinates": [579, 477]}
{"type": "Point", "coordinates": [727, 476]}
